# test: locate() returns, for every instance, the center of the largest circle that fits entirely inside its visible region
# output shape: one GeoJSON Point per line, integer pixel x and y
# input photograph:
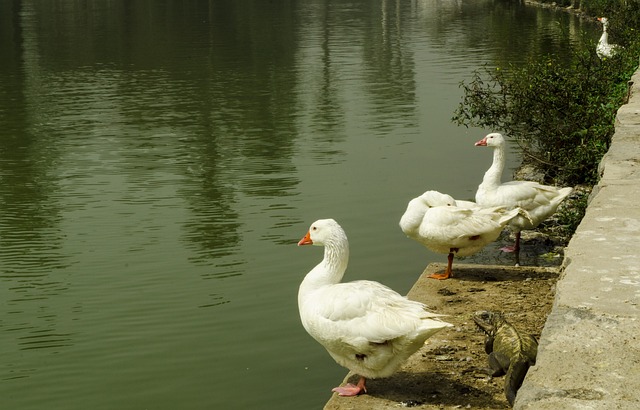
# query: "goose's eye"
{"type": "Point", "coordinates": [314, 228]}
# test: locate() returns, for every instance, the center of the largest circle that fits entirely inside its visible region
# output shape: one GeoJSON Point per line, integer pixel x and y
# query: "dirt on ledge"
{"type": "Point", "coordinates": [450, 371]}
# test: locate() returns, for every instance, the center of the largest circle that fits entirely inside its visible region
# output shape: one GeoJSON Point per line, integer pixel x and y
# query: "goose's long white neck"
{"type": "Point", "coordinates": [604, 38]}
{"type": "Point", "coordinates": [332, 268]}
{"type": "Point", "coordinates": [493, 176]}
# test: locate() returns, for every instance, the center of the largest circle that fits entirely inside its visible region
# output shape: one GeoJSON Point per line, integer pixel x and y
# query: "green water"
{"type": "Point", "coordinates": [159, 160]}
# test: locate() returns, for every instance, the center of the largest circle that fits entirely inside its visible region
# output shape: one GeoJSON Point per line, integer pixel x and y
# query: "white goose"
{"type": "Point", "coordinates": [365, 326]}
{"type": "Point", "coordinates": [539, 201]}
{"type": "Point", "coordinates": [604, 49]}
{"type": "Point", "coordinates": [452, 227]}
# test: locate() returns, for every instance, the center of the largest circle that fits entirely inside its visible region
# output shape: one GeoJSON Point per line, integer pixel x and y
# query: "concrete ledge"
{"type": "Point", "coordinates": [589, 354]}
{"type": "Point", "coordinates": [585, 361]}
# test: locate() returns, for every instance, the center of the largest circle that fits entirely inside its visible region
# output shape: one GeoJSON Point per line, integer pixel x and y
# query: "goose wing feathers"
{"type": "Point", "coordinates": [363, 311]}
{"type": "Point", "coordinates": [527, 194]}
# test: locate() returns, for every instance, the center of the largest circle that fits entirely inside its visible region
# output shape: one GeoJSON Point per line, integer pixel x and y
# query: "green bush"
{"type": "Point", "coordinates": [571, 216]}
{"type": "Point", "coordinates": [561, 115]}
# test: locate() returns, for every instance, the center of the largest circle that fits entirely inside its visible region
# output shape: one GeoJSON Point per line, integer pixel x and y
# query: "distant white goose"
{"type": "Point", "coordinates": [604, 49]}
{"type": "Point", "coordinates": [365, 326]}
{"type": "Point", "coordinates": [539, 201]}
{"type": "Point", "coordinates": [452, 227]}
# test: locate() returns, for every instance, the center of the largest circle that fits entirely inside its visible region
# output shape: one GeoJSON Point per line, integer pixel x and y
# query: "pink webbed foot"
{"type": "Point", "coordinates": [508, 249]}
{"type": "Point", "coordinates": [348, 390]}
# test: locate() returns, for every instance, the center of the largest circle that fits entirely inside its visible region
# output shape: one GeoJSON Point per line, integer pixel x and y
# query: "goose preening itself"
{"type": "Point", "coordinates": [451, 227]}
{"type": "Point", "coordinates": [365, 326]}
{"type": "Point", "coordinates": [538, 201]}
{"type": "Point", "coordinates": [604, 49]}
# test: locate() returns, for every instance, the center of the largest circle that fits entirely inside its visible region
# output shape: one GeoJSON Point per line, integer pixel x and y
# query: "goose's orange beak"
{"type": "Point", "coordinates": [481, 143]}
{"type": "Point", "coordinates": [306, 240]}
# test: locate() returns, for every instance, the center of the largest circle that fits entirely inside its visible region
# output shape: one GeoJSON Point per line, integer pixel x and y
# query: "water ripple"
{"type": "Point", "coordinates": [45, 340]}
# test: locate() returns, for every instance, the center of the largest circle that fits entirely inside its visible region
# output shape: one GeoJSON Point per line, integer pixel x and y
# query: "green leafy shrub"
{"type": "Point", "coordinates": [571, 216]}
{"type": "Point", "coordinates": [562, 116]}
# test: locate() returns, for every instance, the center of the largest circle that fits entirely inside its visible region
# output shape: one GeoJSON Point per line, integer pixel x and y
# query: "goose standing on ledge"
{"type": "Point", "coordinates": [604, 49]}
{"type": "Point", "coordinates": [435, 220]}
{"type": "Point", "coordinates": [365, 326]}
{"type": "Point", "coordinates": [538, 201]}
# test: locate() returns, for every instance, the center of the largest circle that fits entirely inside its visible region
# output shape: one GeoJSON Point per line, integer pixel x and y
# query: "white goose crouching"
{"type": "Point", "coordinates": [444, 225]}
{"type": "Point", "coordinates": [365, 326]}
